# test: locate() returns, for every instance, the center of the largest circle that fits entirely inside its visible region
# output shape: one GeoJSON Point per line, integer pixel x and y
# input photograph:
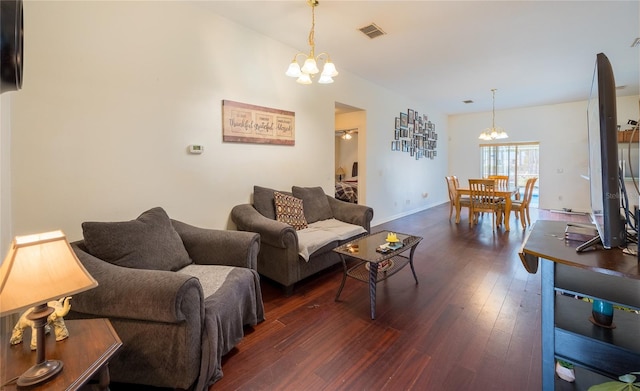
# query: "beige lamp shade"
{"type": "Point", "coordinates": [340, 171]}
{"type": "Point", "coordinates": [40, 268]}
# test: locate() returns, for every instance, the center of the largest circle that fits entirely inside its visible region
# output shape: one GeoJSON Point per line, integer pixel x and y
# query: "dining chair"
{"type": "Point", "coordinates": [483, 199]}
{"type": "Point", "coordinates": [452, 200]}
{"type": "Point", "coordinates": [452, 186]}
{"type": "Point", "coordinates": [502, 181]}
{"type": "Point", "coordinates": [521, 207]}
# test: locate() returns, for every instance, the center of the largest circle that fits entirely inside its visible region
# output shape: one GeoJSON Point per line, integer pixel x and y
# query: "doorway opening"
{"type": "Point", "coordinates": [349, 165]}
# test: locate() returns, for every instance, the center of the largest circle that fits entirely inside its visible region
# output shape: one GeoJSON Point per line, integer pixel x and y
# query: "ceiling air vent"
{"type": "Point", "coordinates": [372, 31]}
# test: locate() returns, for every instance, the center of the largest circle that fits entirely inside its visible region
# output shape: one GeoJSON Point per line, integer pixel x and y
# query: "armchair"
{"type": "Point", "coordinates": [177, 321]}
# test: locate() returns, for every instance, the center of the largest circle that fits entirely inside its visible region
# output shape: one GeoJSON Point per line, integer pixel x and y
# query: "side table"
{"type": "Point", "coordinates": [85, 355]}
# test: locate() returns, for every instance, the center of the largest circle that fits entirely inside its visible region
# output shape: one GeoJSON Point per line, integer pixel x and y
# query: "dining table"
{"type": "Point", "coordinates": [502, 192]}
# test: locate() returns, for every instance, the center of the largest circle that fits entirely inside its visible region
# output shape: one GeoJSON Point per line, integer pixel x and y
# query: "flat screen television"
{"type": "Point", "coordinates": [604, 168]}
{"type": "Point", "coordinates": [11, 41]}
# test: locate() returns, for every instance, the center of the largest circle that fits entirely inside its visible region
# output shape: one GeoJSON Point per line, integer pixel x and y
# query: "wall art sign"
{"type": "Point", "coordinates": [415, 134]}
{"type": "Point", "coordinates": [245, 123]}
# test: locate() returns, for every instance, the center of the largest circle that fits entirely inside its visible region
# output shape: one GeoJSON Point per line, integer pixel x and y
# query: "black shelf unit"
{"type": "Point", "coordinates": [609, 352]}
{"type": "Point", "coordinates": [599, 354]}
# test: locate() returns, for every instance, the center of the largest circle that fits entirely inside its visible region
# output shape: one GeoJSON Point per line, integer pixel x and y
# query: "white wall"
{"type": "Point", "coordinates": [5, 173]}
{"type": "Point", "coordinates": [562, 132]}
{"type": "Point", "coordinates": [114, 92]}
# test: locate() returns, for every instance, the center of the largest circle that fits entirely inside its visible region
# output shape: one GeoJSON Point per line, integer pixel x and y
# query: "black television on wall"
{"type": "Point", "coordinates": [11, 42]}
{"type": "Point", "coordinates": [604, 168]}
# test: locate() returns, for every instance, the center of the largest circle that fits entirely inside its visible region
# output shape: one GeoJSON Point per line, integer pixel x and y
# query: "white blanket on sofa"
{"type": "Point", "coordinates": [323, 232]}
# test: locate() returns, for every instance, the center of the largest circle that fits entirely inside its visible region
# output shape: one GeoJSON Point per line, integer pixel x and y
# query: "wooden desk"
{"type": "Point", "coordinates": [598, 353]}
{"type": "Point", "coordinates": [504, 193]}
{"type": "Point", "coordinates": [85, 356]}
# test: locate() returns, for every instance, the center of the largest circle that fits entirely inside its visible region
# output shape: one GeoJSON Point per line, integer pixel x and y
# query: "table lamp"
{"type": "Point", "coordinates": [340, 172]}
{"type": "Point", "coordinates": [40, 268]}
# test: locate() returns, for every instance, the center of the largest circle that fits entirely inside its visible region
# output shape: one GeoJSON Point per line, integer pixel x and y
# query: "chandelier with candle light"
{"type": "Point", "coordinates": [310, 68]}
{"type": "Point", "coordinates": [493, 133]}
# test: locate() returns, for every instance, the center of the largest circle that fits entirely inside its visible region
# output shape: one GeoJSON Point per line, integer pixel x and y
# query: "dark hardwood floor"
{"type": "Point", "coordinates": [472, 322]}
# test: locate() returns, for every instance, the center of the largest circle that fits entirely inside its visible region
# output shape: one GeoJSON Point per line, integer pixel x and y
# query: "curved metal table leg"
{"type": "Point", "coordinates": [373, 279]}
{"type": "Point", "coordinates": [344, 276]}
{"type": "Point", "coordinates": [411, 262]}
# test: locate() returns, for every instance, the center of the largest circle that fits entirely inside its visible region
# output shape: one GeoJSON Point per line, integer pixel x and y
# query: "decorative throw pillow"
{"type": "Point", "coordinates": [148, 242]}
{"type": "Point", "coordinates": [289, 210]}
{"type": "Point", "coordinates": [316, 204]}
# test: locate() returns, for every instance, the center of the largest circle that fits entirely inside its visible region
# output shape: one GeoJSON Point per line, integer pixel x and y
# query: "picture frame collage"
{"type": "Point", "coordinates": [415, 134]}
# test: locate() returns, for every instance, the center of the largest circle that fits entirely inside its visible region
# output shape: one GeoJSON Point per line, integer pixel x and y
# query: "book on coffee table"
{"type": "Point", "coordinates": [388, 247]}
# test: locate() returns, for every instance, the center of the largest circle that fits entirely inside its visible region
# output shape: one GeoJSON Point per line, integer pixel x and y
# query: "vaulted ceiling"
{"type": "Point", "coordinates": [445, 52]}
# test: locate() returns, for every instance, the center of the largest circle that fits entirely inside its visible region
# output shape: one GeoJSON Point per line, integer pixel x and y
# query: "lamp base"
{"type": "Point", "coordinates": [40, 373]}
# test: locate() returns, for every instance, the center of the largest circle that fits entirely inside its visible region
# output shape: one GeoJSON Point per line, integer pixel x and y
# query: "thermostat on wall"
{"type": "Point", "coordinates": [196, 149]}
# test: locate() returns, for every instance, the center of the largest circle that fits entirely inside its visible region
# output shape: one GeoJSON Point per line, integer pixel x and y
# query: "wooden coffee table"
{"type": "Point", "coordinates": [85, 355]}
{"type": "Point", "coordinates": [368, 268]}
